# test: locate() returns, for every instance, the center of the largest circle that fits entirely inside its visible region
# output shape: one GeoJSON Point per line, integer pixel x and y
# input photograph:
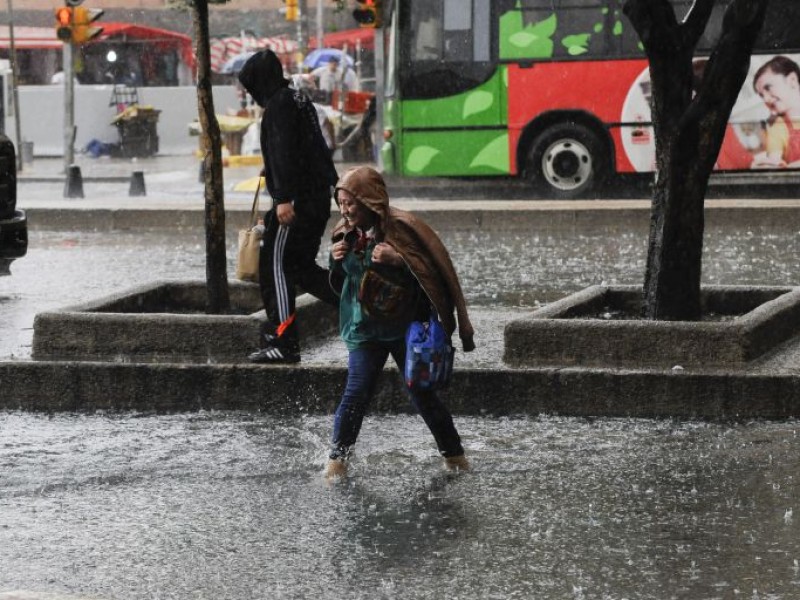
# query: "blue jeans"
{"type": "Point", "coordinates": [363, 369]}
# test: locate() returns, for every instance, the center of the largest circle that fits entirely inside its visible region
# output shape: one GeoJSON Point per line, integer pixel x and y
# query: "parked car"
{"type": "Point", "coordinates": [13, 223]}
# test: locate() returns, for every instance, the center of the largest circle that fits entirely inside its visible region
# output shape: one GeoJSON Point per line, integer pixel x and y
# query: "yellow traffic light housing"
{"type": "Point", "coordinates": [83, 29]}
{"type": "Point", "coordinates": [292, 13]}
{"type": "Point", "coordinates": [368, 13]}
{"type": "Point", "coordinates": [64, 23]}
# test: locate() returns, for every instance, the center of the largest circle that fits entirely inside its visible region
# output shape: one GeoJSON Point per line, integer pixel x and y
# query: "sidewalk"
{"type": "Point", "coordinates": [172, 183]}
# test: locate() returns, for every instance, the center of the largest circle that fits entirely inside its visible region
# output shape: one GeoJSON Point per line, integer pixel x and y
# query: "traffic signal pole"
{"type": "Point", "coordinates": [74, 26]}
{"type": "Point", "coordinates": [69, 106]}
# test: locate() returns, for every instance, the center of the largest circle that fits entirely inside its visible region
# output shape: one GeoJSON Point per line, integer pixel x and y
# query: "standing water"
{"type": "Point", "coordinates": [232, 506]}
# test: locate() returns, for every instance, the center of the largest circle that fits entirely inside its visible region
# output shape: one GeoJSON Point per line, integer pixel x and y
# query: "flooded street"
{"type": "Point", "coordinates": [231, 506]}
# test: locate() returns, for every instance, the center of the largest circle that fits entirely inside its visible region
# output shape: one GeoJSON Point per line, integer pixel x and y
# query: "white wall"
{"type": "Point", "coordinates": [42, 111]}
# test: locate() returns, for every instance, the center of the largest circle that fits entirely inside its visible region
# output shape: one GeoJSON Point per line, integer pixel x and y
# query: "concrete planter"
{"type": "Point", "coordinates": [587, 328]}
{"type": "Point", "coordinates": [164, 322]}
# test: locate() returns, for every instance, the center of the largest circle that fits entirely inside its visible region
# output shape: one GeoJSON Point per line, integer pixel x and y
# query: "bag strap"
{"type": "Point", "coordinates": [254, 210]}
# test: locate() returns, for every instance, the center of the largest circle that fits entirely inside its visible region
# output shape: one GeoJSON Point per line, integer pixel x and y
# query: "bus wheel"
{"type": "Point", "coordinates": [566, 161]}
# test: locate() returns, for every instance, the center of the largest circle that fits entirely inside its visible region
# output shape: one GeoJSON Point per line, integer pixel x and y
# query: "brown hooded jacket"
{"type": "Point", "coordinates": [417, 244]}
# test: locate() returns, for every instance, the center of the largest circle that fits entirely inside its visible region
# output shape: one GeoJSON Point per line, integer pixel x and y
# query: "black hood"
{"type": "Point", "coordinates": [262, 76]}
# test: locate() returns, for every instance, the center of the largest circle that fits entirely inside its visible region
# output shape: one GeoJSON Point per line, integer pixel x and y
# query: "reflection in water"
{"type": "Point", "coordinates": [231, 505]}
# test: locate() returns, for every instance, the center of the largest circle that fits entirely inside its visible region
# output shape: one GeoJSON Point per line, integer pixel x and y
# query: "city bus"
{"type": "Point", "coordinates": [554, 91]}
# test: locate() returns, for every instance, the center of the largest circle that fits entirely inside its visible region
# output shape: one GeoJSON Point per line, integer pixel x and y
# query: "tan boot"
{"type": "Point", "coordinates": [336, 469]}
{"type": "Point", "coordinates": [456, 463]}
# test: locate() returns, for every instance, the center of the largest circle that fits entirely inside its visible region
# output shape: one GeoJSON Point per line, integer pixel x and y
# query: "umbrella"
{"type": "Point", "coordinates": [234, 64]}
{"type": "Point", "coordinates": [321, 56]}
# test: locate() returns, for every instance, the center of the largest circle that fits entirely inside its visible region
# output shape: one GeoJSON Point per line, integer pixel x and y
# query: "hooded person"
{"type": "Point", "coordinates": [300, 176]}
{"type": "Point", "coordinates": [375, 237]}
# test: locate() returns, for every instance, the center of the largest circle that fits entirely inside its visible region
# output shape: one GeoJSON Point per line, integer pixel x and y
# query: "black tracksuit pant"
{"type": "Point", "coordinates": [288, 259]}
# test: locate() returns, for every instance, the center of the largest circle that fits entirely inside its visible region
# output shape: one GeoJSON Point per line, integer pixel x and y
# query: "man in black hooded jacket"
{"type": "Point", "coordinates": [300, 178]}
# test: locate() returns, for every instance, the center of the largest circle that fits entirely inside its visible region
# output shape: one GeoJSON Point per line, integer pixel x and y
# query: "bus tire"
{"type": "Point", "coordinates": [566, 161]}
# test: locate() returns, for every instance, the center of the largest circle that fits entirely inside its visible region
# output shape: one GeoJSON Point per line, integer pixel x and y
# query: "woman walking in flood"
{"type": "Point", "coordinates": [375, 243]}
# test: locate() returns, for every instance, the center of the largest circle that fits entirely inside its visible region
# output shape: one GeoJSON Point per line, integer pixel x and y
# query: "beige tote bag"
{"type": "Point", "coordinates": [249, 245]}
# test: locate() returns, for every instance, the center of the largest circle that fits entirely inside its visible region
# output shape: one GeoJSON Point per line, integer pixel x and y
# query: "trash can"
{"type": "Point", "coordinates": [138, 135]}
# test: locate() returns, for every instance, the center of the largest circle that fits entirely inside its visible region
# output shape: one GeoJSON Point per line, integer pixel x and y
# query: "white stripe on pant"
{"type": "Point", "coordinates": [279, 277]}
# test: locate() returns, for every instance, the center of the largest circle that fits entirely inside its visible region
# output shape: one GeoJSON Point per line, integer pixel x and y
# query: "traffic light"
{"type": "Point", "coordinates": [368, 13]}
{"type": "Point", "coordinates": [64, 23]}
{"type": "Point", "coordinates": [83, 29]}
{"type": "Point", "coordinates": [291, 10]}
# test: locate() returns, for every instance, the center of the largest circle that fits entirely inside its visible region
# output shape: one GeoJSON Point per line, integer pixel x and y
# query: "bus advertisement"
{"type": "Point", "coordinates": [558, 92]}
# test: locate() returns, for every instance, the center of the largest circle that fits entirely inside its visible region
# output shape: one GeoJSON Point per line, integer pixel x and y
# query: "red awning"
{"type": "Point", "coordinates": [161, 38]}
{"type": "Point", "coordinates": [29, 38]}
{"type": "Point", "coordinates": [350, 37]}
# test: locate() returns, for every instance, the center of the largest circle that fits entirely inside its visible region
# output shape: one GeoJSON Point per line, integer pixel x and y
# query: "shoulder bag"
{"type": "Point", "coordinates": [249, 245]}
{"type": "Point", "coordinates": [429, 355]}
{"type": "Point", "coordinates": [385, 295]}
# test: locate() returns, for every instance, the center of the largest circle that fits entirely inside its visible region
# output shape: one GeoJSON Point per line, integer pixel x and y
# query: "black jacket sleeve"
{"type": "Point", "coordinates": [281, 146]}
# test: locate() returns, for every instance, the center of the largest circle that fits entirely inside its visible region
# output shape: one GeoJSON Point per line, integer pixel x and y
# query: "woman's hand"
{"type": "Point", "coordinates": [385, 254]}
{"type": "Point", "coordinates": [339, 250]}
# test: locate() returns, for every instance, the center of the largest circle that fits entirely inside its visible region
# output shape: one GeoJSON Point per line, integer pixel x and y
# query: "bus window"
{"type": "Point", "coordinates": [457, 26]}
{"type": "Point", "coordinates": [571, 29]}
{"type": "Point", "coordinates": [780, 32]}
{"type": "Point", "coordinates": [444, 30]}
{"type": "Point", "coordinates": [446, 46]}
{"type": "Point", "coordinates": [426, 44]}
{"type": "Point", "coordinates": [482, 31]}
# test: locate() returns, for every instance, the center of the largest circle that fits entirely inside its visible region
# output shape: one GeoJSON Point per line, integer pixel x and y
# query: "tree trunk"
{"type": "Point", "coordinates": [690, 116]}
{"type": "Point", "coordinates": [216, 260]}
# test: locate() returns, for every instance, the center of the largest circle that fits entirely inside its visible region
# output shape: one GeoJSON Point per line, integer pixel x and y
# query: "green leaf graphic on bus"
{"type": "Point", "coordinates": [494, 155]}
{"type": "Point", "coordinates": [420, 157]}
{"type": "Point", "coordinates": [532, 41]}
{"type": "Point", "coordinates": [474, 108]}
{"type": "Point", "coordinates": [477, 102]}
{"type": "Point", "coordinates": [576, 44]}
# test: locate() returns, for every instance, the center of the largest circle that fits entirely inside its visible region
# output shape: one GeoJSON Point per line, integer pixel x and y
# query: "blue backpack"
{"type": "Point", "coordinates": [429, 355]}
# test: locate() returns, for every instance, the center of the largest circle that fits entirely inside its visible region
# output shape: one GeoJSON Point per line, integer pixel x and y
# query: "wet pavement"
{"type": "Point", "coordinates": [506, 269]}
{"type": "Point", "coordinates": [232, 505]}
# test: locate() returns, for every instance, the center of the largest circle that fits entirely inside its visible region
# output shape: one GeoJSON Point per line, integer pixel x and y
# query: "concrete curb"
{"type": "Point", "coordinates": [165, 321]}
{"type": "Point", "coordinates": [590, 392]}
{"type": "Point", "coordinates": [87, 215]}
{"type": "Point", "coordinates": [570, 332]}
{"type": "Point", "coordinates": [292, 390]}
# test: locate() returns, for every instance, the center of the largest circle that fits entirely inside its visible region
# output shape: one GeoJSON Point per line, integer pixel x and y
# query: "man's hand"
{"type": "Point", "coordinates": [285, 213]}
